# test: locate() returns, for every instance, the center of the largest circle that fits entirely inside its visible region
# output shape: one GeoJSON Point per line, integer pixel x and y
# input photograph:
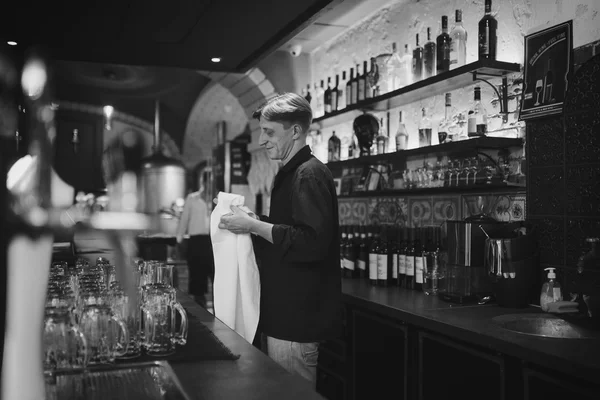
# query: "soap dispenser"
{"type": "Point", "coordinates": [551, 290]}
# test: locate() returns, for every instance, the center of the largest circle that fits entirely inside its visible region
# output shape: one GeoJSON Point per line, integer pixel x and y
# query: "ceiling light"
{"type": "Point", "coordinates": [11, 43]}
{"type": "Point", "coordinates": [215, 59]}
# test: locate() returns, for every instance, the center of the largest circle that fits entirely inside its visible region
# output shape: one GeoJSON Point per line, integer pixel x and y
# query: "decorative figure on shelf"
{"type": "Point", "coordinates": [365, 128]}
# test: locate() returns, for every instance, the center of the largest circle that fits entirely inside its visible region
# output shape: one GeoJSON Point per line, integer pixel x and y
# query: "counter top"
{"type": "Point", "coordinates": [473, 324]}
{"type": "Point", "coordinates": [252, 376]}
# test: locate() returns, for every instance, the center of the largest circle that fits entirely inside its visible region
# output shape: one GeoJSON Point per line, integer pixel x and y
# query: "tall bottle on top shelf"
{"type": "Point", "coordinates": [401, 134]}
{"type": "Point", "coordinates": [444, 127]}
{"type": "Point", "coordinates": [321, 99]}
{"type": "Point", "coordinates": [429, 57]}
{"type": "Point", "coordinates": [349, 85]}
{"type": "Point", "coordinates": [334, 94]}
{"type": "Point", "coordinates": [417, 62]}
{"type": "Point", "coordinates": [488, 40]}
{"type": "Point", "coordinates": [394, 64]}
{"type": "Point", "coordinates": [355, 85]}
{"type": "Point", "coordinates": [341, 95]}
{"type": "Point", "coordinates": [443, 48]}
{"type": "Point", "coordinates": [406, 75]}
{"type": "Point", "coordinates": [458, 43]}
{"type": "Point", "coordinates": [362, 83]}
{"type": "Point", "coordinates": [371, 81]}
{"type": "Point", "coordinates": [334, 147]}
{"type": "Point", "coordinates": [327, 96]}
{"type": "Point", "coordinates": [382, 138]}
{"type": "Point", "coordinates": [477, 121]}
{"type": "Point", "coordinates": [424, 129]}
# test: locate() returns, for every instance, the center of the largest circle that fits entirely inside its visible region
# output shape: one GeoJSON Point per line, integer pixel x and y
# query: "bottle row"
{"type": "Point", "coordinates": [411, 258]}
{"type": "Point", "coordinates": [449, 129]}
{"type": "Point", "coordinates": [389, 72]}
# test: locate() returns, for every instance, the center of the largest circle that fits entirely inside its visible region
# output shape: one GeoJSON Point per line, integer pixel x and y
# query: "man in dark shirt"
{"type": "Point", "coordinates": [297, 245]}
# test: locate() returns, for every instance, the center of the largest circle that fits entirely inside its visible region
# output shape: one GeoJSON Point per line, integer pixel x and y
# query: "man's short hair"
{"type": "Point", "coordinates": [290, 108]}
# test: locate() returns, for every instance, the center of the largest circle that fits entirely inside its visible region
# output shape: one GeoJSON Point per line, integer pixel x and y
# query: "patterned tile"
{"type": "Point", "coordinates": [388, 210]}
{"type": "Point", "coordinates": [583, 190]}
{"type": "Point", "coordinates": [420, 211]}
{"type": "Point", "coordinates": [545, 142]}
{"type": "Point", "coordinates": [577, 231]}
{"type": "Point", "coordinates": [471, 204]}
{"type": "Point", "coordinates": [446, 208]}
{"type": "Point", "coordinates": [584, 88]}
{"type": "Point", "coordinates": [582, 137]}
{"type": "Point", "coordinates": [551, 239]}
{"type": "Point", "coordinates": [546, 191]}
{"type": "Point", "coordinates": [518, 207]}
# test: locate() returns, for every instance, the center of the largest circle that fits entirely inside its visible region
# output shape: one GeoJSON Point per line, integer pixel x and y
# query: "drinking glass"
{"type": "Point", "coordinates": [65, 345]}
{"type": "Point", "coordinates": [106, 334]}
{"type": "Point", "coordinates": [434, 273]}
{"type": "Point", "coordinates": [538, 90]}
{"type": "Point", "coordinates": [119, 304]}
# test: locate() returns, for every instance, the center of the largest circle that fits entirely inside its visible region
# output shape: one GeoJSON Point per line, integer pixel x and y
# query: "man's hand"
{"type": "Point", "coordinates": [238, 221]}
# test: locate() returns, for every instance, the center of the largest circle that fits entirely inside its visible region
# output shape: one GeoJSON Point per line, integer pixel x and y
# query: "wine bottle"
{"type": "Point", "coordinates": [343, 248]}
{"type": "Point", "coordinates": [371, 81]}
{"type": "Point", "coordinates": [350, 250]}
{"type": "Point", "coordinates": [393, 248]}
{"type": "Point", "coordinates": [477, 121]}
{"type": "Point", "coordinates": [334, 94]}
{"type": "Point", "coordinates": [373, 254]}
{"type": "Point", "coordinates": [401, 134]}
{"type": "Point", "coordinates": [355, 85]}
{"type": "Point", "coordinates": [402, 257]}
{"type": "Point", "coordinates": [429, 57]}
{"type": "Point", "coordinates": [417, 62]}
{"type": "Point", "coordinates": [321, 99]}
{"type": "Point", "coordinates": [382, 139]}
{"type": "Point", "coordinates": [363, 254]}
{"type": "Point", "coordinates": [458, 43]}
{"type": "Point", "coordinates": [362, 83]}
{"type": "Point", "coordinates": [488, 26]}
{"type": "Point", "coordinates": [334, 148]}
{"type": "Point", "coordinates": [410, 260]}
{"type": "Point", "coordinates": [443, 48]}
{"type": "Point", "coordinates": [349, 88]}
{"type": "Point", "coordinates": [327, 97]}
{"type": "Point", "coordinates": [418, 250]}
{"type": "Point", "coordinates": [382, 258]}
{"type": "Point", "coordinates": [341, 97]}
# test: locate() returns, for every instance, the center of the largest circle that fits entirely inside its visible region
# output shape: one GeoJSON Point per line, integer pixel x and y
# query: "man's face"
{"type": "Point", "coordinates": [276, 139]}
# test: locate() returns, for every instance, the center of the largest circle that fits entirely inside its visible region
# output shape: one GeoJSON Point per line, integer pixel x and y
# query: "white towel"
{"type": "Point", "coordinates": [236, 286]}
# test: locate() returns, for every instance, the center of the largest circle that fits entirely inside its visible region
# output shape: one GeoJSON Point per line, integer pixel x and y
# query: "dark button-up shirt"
{"type": "Point", "coordinates": [300, 270]}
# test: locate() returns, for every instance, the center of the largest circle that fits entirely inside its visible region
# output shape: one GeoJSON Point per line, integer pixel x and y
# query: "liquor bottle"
{"type": "Point", "coordinates": [548, 81]}
{"type": "Point", "coordinates": [327, 97]}
{"type": "Point", "coordinates": [424, 129]}
{"type": "Point", "coordinates": [406, 75]}
{"type": "Point", "coordinates": [353, 151]}
{"type": "Point", "coordinates": [382, 139]}
{"type": "Point", "coordinates": [444, 127]}
{"type": "Point", "coordinates": [334, 94]}
{"type": "Point", "coordinates": [355, 85]}
{"type": "Point", "coordinates": [410, 260]}
{"type": "Point", "coordinates": [362, 83]}
{"type": "Point", "coordinates": [393, 248]}
{"type": "Point", "coordinates": [321, 99]}
{"type": "Point", "coordinates": [308, 96]}
{"type": "Point", "coordinates": [488, 26]}
{"type": "Point", "coordinates": [477, 122]}
{"type": "Point", "coordinates": [350, 267]}
{"type": "Point", "coordinates": [363, 254]}
{"type": "Point", "coordinates": [334, 148]}
{"type": "Point", "coordinates": [417, 62]}
{"type": "Point", "coordinates": [402, 257]}
{"type": "Point", "coordinates": [443, 48]}
{"type": "Point", "coordinates": [373, 254]}
{"type": "Point", "coordinates": [429, 57]}
{"type": "Point", "coordinates": [382, 258]}
{"type": "Point", "coordinates": [393, 66]}
{"type": "Point", "coordinates": [371, 81]}
{"type": "Point", "coordinates": [418, 250]}
{"type": "Point", "coordinates": [315, 100]}
{"type": "Point", "coordinates": [341, 96]}
{"type": "Point", "coordinates": [401, 134]}
{"type": "Point", "coordinates": [458, 43]}
{"type": "Point", "coordinates": [348, 94]}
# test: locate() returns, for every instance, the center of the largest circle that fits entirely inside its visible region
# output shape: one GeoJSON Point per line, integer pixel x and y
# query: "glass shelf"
{"type": "Point", "coordinates": [483, 188]}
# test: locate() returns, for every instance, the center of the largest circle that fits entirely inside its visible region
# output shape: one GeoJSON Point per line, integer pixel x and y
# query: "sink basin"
{"type": "Point", "coordinates": [546, 325]}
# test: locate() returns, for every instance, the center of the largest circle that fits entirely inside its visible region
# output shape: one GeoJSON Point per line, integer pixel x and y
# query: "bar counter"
{"type": "Point", "coordinates": [473, 324]}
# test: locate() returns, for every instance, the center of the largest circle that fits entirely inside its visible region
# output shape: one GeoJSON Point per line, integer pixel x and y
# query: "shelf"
{"type": "Point", "coordinates": [436, 85]}
{"type": "Point", "coordinates": [492, 188]}
{"type": "Point", "coordinates": [463, 146]}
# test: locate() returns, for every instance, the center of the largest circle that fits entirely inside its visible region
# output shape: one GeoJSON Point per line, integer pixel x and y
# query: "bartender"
{"type": "Point", "coordinates": [195, 222]}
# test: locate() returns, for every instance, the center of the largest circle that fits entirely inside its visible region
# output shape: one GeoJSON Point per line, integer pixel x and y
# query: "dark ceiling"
{"type": "Point", "coordinates": [168, 33]}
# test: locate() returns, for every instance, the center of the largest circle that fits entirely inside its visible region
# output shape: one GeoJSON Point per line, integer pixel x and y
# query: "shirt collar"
{"type": "Point", "coordinates": [301, 156]}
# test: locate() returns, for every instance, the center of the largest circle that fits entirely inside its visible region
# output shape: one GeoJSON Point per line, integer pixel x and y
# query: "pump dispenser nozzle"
{"type": "Point", "coordinates": [551, 274]}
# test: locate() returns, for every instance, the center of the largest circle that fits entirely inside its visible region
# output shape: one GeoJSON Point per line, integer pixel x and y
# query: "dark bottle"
{"type": "Point", "coordinates": [350, 254]}
{"type": "Point", "coordinates": [548, 82]}
{"type": "Point", "coordinates": [327, 98]}
{"type": "Point", "coordinates": [394, 248]}
{"type": "Point", "coordinates": [410, 260]}
{"type": "Point", "coordinates": [349, 94]}
{"type": "Point", "coordinates": [343, 248]}
{"type": "Point", "coordinates": [401, 252]}
{"type": "Point", "coordinates": [363, 254]}
{"type": "Point", "coordinates": [373, 255]}
{"type": "Point", "coordinates": [334, 148]}
{"type": "Point", "coordinates": [334, 95]}
{"type": "Point", "coordinates": [308, 96]}
{"type": "Point", "coordinates": [488, 27]}
{"type": "Point", "coordinates": [429, 57]}
{"type": "Point", "coordinates": [355, 85]}
{"type": "Point", "coordinates": [417, 62]}
{"type": "Point", "coordinates": [382, 258]}
{"type": "Point", "coordinates": [443, 47]}
{"type": "Point", "coordinates": [419, 255]}
{"type": "Point", "coordinates": [362, 83]}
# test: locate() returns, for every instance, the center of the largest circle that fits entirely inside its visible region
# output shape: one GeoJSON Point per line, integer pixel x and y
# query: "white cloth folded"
{"type": "Point", "coordinates": [236, 288]}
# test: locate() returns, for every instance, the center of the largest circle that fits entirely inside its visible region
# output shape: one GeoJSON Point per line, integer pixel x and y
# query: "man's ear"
{"type": "Point", "coordinates": [297, 132]}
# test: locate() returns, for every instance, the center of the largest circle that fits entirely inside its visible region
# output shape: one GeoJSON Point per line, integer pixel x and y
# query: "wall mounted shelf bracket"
{"type": "Point", "coordinates": [502, 97]}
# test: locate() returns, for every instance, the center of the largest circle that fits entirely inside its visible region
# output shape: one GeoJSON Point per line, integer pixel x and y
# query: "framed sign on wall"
{"type": "Point", "coordinates": [548, 67]}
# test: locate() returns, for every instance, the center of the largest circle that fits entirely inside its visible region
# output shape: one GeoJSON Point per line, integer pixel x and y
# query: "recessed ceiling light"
{"type": "Point", "coordinates": [215, 59]}
{"type": "Point", "coordinates": [11, 43]}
